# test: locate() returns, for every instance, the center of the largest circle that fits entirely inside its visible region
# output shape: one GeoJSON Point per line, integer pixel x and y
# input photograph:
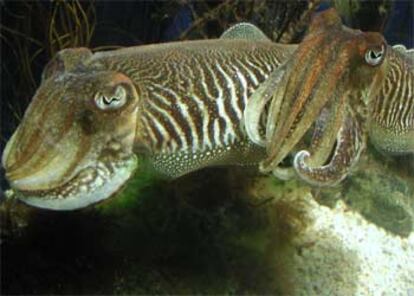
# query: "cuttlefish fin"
{"type": "Point", "coordinates": [350, 143]}
{"type": "Point", "coordinates": [245, 31]}
{"type": "Point", "coordinates": [409, 53]}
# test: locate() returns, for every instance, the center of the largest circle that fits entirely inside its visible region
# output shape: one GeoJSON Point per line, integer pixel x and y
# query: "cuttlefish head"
{"type": "Point", "coordinates": [74, 146]}
{"type": "Point", "coordinates": [331, 65]}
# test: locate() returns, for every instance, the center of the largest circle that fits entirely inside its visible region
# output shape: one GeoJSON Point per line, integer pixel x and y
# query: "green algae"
{"type": "Point", "coordinates": [129, 195]}
{"type": "Point", "coordinates": [209, 243]}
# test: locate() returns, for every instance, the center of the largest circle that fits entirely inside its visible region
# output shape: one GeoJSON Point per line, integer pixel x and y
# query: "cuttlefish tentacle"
{"type": "Point", "coordinates": [256, 105]}
{"type": "Point", "coordinates": [318, 76]}
{"type": "Point", "coordinates": [318, 136]}
{"type": "Point", "coordinates": [326, 68]}
{"type": "Point", "coordinates": [324, 134]}
{"type": "Point", "coordinates": [350, 142]}
{"type": "Point", "coordinates": [323, 139]}
{"type": "Point", "coordinates": [275, 86]}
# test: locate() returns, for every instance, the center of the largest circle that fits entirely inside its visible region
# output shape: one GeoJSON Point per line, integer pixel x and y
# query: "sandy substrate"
{"type": "Point", "coordinates": [343, 254]}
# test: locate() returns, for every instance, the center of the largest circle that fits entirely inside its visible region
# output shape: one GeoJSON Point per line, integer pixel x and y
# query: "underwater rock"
{"type": "Point", "coordinates": [384, 199]}
{"type": "Point", "coordinates": [382, 191]}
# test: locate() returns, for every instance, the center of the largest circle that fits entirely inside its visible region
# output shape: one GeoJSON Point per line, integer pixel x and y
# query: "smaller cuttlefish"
{"type": "Point", "coordinates": [237, 100]}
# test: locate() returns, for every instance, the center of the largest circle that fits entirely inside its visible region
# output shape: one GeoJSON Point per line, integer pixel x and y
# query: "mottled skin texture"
{"type": "Point", "coordinates": [237, 100]}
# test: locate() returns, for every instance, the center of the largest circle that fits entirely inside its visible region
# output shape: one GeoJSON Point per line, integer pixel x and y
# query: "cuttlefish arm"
{"type": "Point", "coordinates": [314, 76]}
{"type": "Point", "coordinates": [328, 66]}
{"type": "Point", "coordinates": [256, 105]}
{"type": "Point", "coordinates": [350, 143]}
{"type": "Point", "coordinates": [389, 106]}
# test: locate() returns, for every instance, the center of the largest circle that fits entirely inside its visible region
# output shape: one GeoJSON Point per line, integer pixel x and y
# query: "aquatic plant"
{"type": "Point", "coordinates": [32, 33]}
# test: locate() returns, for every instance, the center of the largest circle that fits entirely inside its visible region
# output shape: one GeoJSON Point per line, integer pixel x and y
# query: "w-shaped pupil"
{"type": "Point", "coordinates": [108, 101]}
{"type": "Point", "coordinates": [375, 55]}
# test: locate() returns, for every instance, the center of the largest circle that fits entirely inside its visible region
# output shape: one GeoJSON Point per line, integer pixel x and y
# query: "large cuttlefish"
{"type": "Point", "coordinates": [237, 100]}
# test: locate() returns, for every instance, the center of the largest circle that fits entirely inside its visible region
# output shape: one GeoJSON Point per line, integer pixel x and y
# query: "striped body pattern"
{"type": "Point", "coordinates": [392, 108]}
{"type": "Point", "coordinates": [237, 100]}
{"type": "Point", "coordinates": [395, 109]}
{"type": "Point", "coordinates": [193, 101]}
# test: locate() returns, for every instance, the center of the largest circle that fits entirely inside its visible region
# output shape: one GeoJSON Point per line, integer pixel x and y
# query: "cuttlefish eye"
{"type": "Point", "coordinates": [374, 57]}
{"type": "Point", "coordinates": [112, 101]}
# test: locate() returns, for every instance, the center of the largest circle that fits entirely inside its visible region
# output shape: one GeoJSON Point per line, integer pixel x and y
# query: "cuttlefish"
{"type": "Point", "coordinates": [237, 100]}
{"type": "Point", "coordinates": [345, 84]}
